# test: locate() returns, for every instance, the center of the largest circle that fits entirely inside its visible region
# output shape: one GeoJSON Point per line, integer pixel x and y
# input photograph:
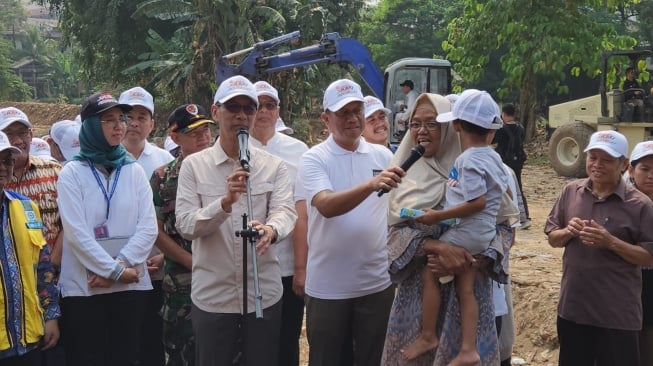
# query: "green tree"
{"type": "Point", "coordinates": [12, 14]}
{"type": "Point", "coordinates": [407, 28]}
{"type": "Point", "coordinates": [11, 85]}
{"type": "Point", "coordinates": [542, 39]}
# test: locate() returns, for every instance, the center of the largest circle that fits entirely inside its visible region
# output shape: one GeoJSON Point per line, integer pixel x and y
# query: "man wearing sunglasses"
{"type": "Point", "coordinates": [266, 137]}
{"type": "Point", "coordinates": [211, 200]}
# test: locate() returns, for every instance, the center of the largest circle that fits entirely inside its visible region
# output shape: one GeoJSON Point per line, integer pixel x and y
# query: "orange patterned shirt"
{"type": "Point", "coordinates": [39, 183]}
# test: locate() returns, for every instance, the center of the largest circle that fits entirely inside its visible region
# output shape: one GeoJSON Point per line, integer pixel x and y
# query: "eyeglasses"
{"type": "Point", "coordinates": [235, 108]}
{"type": "Point", "coordinates": [269, 106]}
{"type": "Point", "coordinates": [7, 162]}
{"type": "Point", "coordinates": [21, 135]}
{"type": "Point", "coordinates": [429, 126]}
{"type": "Point", "coordinates": [116, 122]}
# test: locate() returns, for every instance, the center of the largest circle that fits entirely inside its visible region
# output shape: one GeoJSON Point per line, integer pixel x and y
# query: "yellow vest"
{"type": "Point", "coordinates": [27, 236]}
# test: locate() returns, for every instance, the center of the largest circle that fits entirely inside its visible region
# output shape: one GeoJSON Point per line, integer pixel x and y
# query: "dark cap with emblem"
{"type": "Point", "coordinates": [188, 117]}
{"type": "Point", "coordinates": [100, 102]}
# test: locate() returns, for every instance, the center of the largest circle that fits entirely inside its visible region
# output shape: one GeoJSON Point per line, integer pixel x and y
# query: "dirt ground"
{"type": "Point", "coordinates": [535, 266]}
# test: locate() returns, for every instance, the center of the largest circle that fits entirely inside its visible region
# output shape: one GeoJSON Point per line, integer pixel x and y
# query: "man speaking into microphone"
{"type": "Point", "coordinates": [348, 289]}
{"type": "Point", "coordinates": [211, 199]}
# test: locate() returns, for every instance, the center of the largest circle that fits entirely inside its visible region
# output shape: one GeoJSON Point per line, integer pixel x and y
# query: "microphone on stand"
{"type": "Point", "coordinates": [243, 151]}
{"type": "Point", "coordinates": [415, 154]}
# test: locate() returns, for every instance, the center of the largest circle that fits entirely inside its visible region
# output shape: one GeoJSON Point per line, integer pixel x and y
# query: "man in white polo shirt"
{"type": "Point", "coordinates": [348, 288]}
{"type": "Point", "coordinates": [150, 157]}
{"type": "Point", "coordinates": [266, 137]}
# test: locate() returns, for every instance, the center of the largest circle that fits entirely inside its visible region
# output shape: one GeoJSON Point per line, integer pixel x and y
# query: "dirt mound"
{"type": "Point", "coordinates": [43, 115]}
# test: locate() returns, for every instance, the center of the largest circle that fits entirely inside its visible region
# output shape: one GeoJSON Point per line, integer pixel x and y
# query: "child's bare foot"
{"type": "Point", "coordinates": [466, 358]}
{"type": "Point", "coordinates": [420, 346]}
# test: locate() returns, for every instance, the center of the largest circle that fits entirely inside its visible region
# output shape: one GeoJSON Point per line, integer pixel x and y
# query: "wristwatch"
{"type": "Point", "coordinates": [276, 234]}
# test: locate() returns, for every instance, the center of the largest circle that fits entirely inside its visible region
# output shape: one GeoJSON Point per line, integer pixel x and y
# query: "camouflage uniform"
{"type": "Point", "coordinates": [178, 338]}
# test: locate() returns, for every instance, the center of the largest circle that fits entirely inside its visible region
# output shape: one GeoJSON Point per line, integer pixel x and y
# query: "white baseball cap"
{"type": "Point", "coordinates": [373, 104]}
{"type": "Point", "coordinates": [6, 145]}
{"type": "Point", "coordinates": [609, 141]}
{"type": "Point", "coordinates": [341, 92]}
{"type": "Point", "coordinates": [10, 115]}
{"type": "Point", "coordinates": [452, 98]}
{"type": "Point", "coordinates": [641, 150]}
{"type": "Point", "coordinates": [263, 88]}
{"type": "Point", "coordinates": [280, 126]}
{"type": "Point", "coordinates": [233, 87]}
{"type": "Point", "coordinates": [476, 107]}
{"type": "Point", "coordinates": [137, 96]}
{"type": "Point", "coordinates": [66, 135]}
{"type": "Point", "coordinates": [41, 149]}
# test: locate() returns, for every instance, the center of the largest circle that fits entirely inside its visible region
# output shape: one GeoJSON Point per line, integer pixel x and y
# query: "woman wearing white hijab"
{"type": "Point", "coordinates": [424, 187]}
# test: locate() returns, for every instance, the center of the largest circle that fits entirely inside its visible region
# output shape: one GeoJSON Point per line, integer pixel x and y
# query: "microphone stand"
{"type": "Point", "coordinates": [249, 234]}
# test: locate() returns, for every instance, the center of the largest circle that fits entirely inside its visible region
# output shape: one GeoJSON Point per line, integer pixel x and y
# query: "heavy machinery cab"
{"type": "Point", "coordinates": [614, 106]}
{"type": "Point", "coordinates": [570, 124]}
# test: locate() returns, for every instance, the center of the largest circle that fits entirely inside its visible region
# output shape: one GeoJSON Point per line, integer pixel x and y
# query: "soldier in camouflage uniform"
{"type": "Point", "coordinates": [189, 128]}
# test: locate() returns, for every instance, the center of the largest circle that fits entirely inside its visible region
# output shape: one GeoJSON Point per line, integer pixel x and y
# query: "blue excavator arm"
{"type": "Point", "coordinates": [332, 49]}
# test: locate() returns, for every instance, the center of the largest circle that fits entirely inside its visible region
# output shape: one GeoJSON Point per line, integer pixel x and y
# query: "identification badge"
{"type": "Point", "coordinates": [101, 231]}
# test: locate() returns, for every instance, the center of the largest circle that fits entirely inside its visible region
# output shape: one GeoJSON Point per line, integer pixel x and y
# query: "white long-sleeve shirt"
{"type": "Point", "coordinates": [83, 207]}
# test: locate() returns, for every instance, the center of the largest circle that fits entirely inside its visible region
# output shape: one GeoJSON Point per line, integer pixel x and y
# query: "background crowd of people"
{"type": "Point", "coordinates": [118, 252]}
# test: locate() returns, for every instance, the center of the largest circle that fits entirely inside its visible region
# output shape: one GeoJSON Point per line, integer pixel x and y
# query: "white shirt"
{"type": "Point", "coordinates": [151, 158]}
{"type": "Point", "coordinates": [82, 207]}
{"type": "Point", "coordinates": [290, 150]}
{"type": "Point", "coordinates": [347, 254]}
{"type": "Point", "coordinates": [411, 97]}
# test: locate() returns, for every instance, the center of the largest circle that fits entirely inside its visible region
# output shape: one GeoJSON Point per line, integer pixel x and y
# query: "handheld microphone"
{"type": "Point", "coordinates": [415, 154]}
{"type": "Point", "coordinates": [243, 151]}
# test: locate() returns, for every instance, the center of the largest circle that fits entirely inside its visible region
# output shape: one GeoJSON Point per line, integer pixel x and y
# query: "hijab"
{"type": "Point", "coordinates": [94, 146]}
{"type": "Point", "coordinates": [425, 182]}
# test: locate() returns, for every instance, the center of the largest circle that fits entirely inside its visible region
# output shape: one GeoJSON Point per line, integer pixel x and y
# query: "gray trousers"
{"type": "Point", "coordinates": [218, 338]}
{"type": "Point", "coordinates": [330, 324]}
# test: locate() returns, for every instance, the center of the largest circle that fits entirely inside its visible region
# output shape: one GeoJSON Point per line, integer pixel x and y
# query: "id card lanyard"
{"type": "Point", "coordinates": [107, 196]}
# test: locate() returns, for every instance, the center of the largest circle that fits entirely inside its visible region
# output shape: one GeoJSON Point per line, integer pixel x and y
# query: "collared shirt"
{"type": "Point", "coordinates": [290, 150]}
{"type": "Point", "coordinates": [151, 158]}
{"type": "Point", "coordinates": [39, 183]}
{"type": "Point", "coordinates": [13, 302]}
{"type": "Point", "coordinates": [599, 287]}
{"type": "Point", "coordinates": [84, 208]}
{"type": "Point", "coordinates": [347, 256]}
{"type": "Point", "coordinates": [217, 252]}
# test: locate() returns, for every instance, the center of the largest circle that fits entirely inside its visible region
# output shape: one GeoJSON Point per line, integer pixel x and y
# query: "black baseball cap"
{"type": "Point", "coordinates": [100, 102]}
{"type": "Point", "coordinates": [408, 83]}
{"type": "Point", "coordinates": [188, 117]}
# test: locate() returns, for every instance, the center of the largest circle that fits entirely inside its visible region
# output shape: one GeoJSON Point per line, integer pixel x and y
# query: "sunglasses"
{"type": "Point", "coordinates": [235, 108]}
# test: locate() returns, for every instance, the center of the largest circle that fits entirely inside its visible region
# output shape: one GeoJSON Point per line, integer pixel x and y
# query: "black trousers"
{"type": "Point", "coordinates": [31, 358]}
{"type": "Point", "coordinates": [292, 317]}
{"type": "Point", "coordinates": [104, 330]}
{"type": "Point", "coordinates": [218, 337]}
{"type": "Point", "coordinates": [586, 345]}
{"type": "Point", "coordinates": [152, 353]}
{"type": "Point", "coordinates": [332, 326]}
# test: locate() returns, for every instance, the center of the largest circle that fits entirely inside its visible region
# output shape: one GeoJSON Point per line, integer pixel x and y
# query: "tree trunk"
{"type": "Point", "coordinates": [527, 103]}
